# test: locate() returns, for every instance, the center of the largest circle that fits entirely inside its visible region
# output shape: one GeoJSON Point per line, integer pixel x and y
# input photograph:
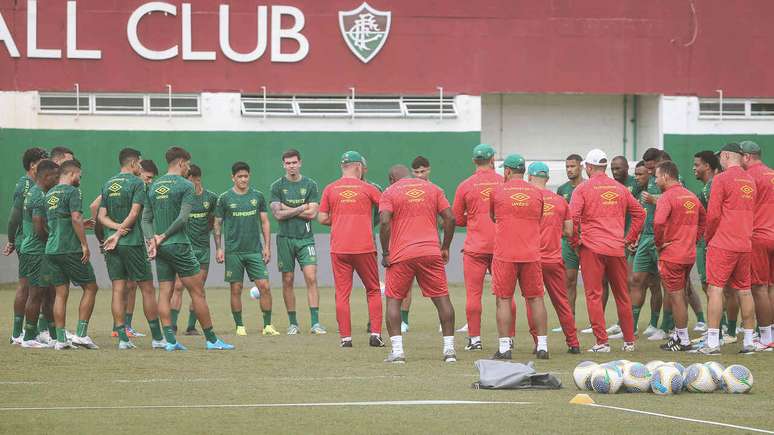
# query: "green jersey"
{"type": "Point", "coordinates": [165, 197]}
{"type": "Point", "coordinates": [241, 214]}
{"type": "Point", "coordinates": [565, 191]}
{"type": "Point", "coordinates": [33, 206]}
{"type": "Point", "coordinates": [23, 186]}
{"type": "Point", "coordinates": [704, 193]}
{"type": "Point", "coordinates": [198, 228]}
{"type": "Point", "coordinates": [633, 187]}
{"type": "Point", "coordinates": [119, 194]}
{"type": "Point", "coordinates": [375, 208]}
{"type": "Point", "coordinates": [63, 200]}
{"type": "Point", "coordinates": [294, 194]}
{"type": "Point", "coordinates": [650, 209]}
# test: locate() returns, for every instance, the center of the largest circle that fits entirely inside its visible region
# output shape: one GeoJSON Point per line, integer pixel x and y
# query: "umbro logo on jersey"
{"type": "Point", "coordinates": [415, 193]}
{"type": "Point", "coordinates": [115, 187]}
{"type": "Point", "coordinates": [53, 201]}
{"type": "Point", "coordinates": [609, 196]}
{"type": "Point", "coordinates": [548, 208]}
{"type": "Point", "coordinates": [520, 197]}
{"type": "Point", "coordinates": [689, 205]}
{"type": "Point", "coordinates": [348, 194]}
{"type": "Point", "coordinates": [747, 190]}
{"type": "Point", "coordinates": [485, 193]}
{"type": "Point", "coordinates": [162, 190]}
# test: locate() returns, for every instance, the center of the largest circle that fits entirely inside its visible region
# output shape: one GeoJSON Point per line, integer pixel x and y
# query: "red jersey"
{"type": "Point", "coordinates": [763, 221]}
{"type": "Point", "coordinates": [517, 207]}
{"type": "Point", "coordinates": [730, 211]}
{"type": "Point", "coordinates": [349, 202]}
{"type": "Point", "coordinates": [679, 221]}
{"type": "Point", "coordinates": [471, 209]}
{"type": "Point", "coordinates": [600, 205]}
{"type": "Point", "coordinates": [415, 205]}
{"type": "Point", "coordinates": [555, 213]}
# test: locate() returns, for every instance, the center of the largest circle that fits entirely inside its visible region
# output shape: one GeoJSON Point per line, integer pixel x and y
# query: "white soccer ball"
{"type": "Point", "coordinates": [653, 365]}
{"type": "Point", "coordinates": [621, 363]}
{"type": "Point", "coordinates": [680, 368]}
{"type": "Point", "coordinates": [716, 370]}
{"type": "Point", "coordinates": [698, 379]}
{"type": "Point", "coordinates": [606, 379]}
{"type": "Point", "coordinates": [582, 374]}
{"type": "Point", "coordinates": [255, 294]}
{"type": "Point", "coordinates": [636, 378]}
{"type": "Point", "coordinates": [666, 380]}
{"type": "Point", "coordinates": [737, 379]}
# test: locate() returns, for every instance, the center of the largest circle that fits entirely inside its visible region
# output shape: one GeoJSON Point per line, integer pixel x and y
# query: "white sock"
{"type": "Point", "coordinates": [475, 340]}
{"type": "Point", "coordinates": [682, 334]}
{"type": "Point", "coordinates": [397, 343]}
{"type": "Point", "coordinates": [748, 337]}
{"type": "Point", "coordinates": [713, 337]}
{"type": "Point", "coordinates": [448, 343]}
{"type": "Point", "coordinates": [374, 334]}
{"type": "Point", "coordinates": [765, 335]}
{"type": "Point", "coordinates": [505, 344]}
{"type": "Point", "coordinates": [542, 343]}
{"type": "Point", "coordinates": [346, 339]}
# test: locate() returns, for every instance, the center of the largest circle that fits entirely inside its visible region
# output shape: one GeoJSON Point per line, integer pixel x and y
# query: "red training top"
{"type": "Point", "coordinates": [730, 211]}
{"type": "Point", "coordinates": [415, 204]}
{"type": "Point", "coordinates": [349, 202]}
{"type": "Point", "coordinates": [517, 208]}
{"type": "Point", "coordinates": [763, 221]}
{"type": "Point", "coordinates": [679, 222]}
{"type": "Point", "coordinates": [471, 209]}
{"type": "Point", "coordinates": [555, 212]}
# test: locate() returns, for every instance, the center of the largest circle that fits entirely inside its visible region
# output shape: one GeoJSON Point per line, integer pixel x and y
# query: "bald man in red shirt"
{"type": "Point", "coordinates": [678, 223]}
{"type": "Point", "coordinates": [471, 210]}
{"type": "Point", "coordinates": [408, 211]}
{"type": "Point", "coordinates": [599, 205]}
{"type": "Point", "coordinates": [346, 206]}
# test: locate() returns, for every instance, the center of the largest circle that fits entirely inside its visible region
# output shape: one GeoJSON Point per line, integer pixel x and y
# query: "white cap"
{"type": "Point", "coordinates": [596, 157]}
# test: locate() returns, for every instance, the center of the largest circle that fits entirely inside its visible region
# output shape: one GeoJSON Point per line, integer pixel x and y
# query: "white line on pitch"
{"type": "Point", "coordinates": [272, 405]}
{"type": "Point", "coordinates": [694, 420]}
{"type": "Point", "coordinates": [183, 380]}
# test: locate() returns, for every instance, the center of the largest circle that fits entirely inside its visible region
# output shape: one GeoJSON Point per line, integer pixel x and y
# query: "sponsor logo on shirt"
{"type": "Point", "coordinates": [254, 202]}
{"type": "Point", "coordinates": [302, 191]}
{"type": "Point", "coordinates": [520, 199]}
{"type": "Point", "coordinates": [689, 206]}
{"type": "Point", "coordinates": [548, 209]}
{"type": "Point", "coordinates": [747, 191]}
{"type": "Point", "coordinates": [609, 197]}
{"type": "Point", "coordinates": [415, 195]}
{"type": "Point", "coordinates": [162, 191]}
{"type": "Point", "coordinates": [244, 213]}
{"type": "Point", "coordinates": [115, 189]}
{"type": "Point", "coordinates": [206, 204]}
{"type": "Point", "coordinates": [52, 201]}
{"type": "Point", "coordinates": [348, 194]}
{"type": "Point", "coordinates": [232, 206]}
{"type": "Point", "coordinates": [198, 215]}
{"type": "Point", "coordinates": [485, 193]}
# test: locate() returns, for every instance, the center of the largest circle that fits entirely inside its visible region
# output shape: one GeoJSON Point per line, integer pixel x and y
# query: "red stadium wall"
{"type": "Point", "coordinates": [474, 47]}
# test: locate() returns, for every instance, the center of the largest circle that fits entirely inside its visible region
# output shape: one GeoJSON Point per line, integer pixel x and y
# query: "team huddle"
{"type": "Point", "coordinates": [625, 235]}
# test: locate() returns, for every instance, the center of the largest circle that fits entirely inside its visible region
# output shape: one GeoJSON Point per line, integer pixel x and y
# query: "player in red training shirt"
{"type": "Point", "coordinates": [408, 212]}
{"type": "Point", "coordinates": [346, 206]}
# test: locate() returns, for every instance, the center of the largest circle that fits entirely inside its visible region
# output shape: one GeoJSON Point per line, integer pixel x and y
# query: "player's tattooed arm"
{"type": "Point", "coordinates": [310, 211]}
{"type": "Point", "coordinates": [282, 213]}
{"type": "Point", "coordinates": [448, 232]}
{"type": "Point", "coordinates": [217, 230]}
{"type": "Point", "coordinates": [385, 218]}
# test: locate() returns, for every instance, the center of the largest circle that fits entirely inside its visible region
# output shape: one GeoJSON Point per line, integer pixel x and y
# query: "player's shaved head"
{"type": "Point", "coordinates": [398, 172]}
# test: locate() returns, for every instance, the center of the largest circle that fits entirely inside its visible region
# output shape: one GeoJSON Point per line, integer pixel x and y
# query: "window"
{"type": "Point", "coordinates": [736, 109]}
{"type": "Point", "coordinates": [181, 104]}
{"type": "Point", "coordinates": [762, 108]}
{"type": "Point", "coordinates": [64, 103]}
{"type": "Point", "coordinates": [119, 104]}
{"type": "Point", "coordinates": [317, 106]}
{"type": "Point", "coordinates": [347, 106]}
{"type": "Point", "coordinates": [108, 104]}
{"type": "Point", "coordinates": [429, 107]}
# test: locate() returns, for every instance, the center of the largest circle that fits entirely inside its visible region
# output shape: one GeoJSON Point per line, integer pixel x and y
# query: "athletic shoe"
{"type": "Point", "coordinates": [473, 346]}
{"type": "Point", "coordinates": [174, 329]}
{"type": "Point", "coordinates": [396, 358]}
{"type": "Point", "coordinates": [173, 347]}
{"type": "Point", "coordinates": [449, 356]}
{"type": "Point", "coordinates": [240, 330]}
{"type": "Point", "coordinates": [557, 329]}
{"type": "Point", "coordinates": [658, 335]}
{"type": "Point", "coordinates": [16, 340]}
{"type": "Point", "coordinates": [318, 329]}
{"type": "Point", "coordinates": [587, 330]}
{"type": "Point", "coordinates": [219, 345]}
{"type": "Point", "coordinates": [159, 344]}
{"type": "Point", "coordinates": [348, 343]}
{"type": "Point", "coordinates": [293, 330]}
{"type": "Point", "coordinates": [706, 350]}
{"type": "Point", "coordinates": [700, 327]}
{"type": "Point", "coordinates": [728, 339]}
{"type": "Point", "coordinates": [701, 339]}
{"type": "Point", "coordinates": [464, 328]}
{"type": "Point", "coordinates": [44, 337]}
{"type": "Point", "coordinates": [114, 334]}
{"type": "Point", "coordinates": [575, 350]}
{"type": "Point", "coordinates": [747, 350]}
{"type": "Point", "coordinates": [191, 331]}
{"type": "Point", "coordinates": [675, 345]}
{"type": "Point", "coordinates": [404, 327]}
{"type": "Point", "coordinates": [628, 347]}
{"type": "Point", "coordinates": [600, 348]}
{"type": "Point", "coordinates": [85, 341]}
{"type": "Point", "coordinates": [375, 341]}
{"type": "Point", "coordinates": [63, 346]}
{"type": "Point", "coordinates": [761, 347]}
{"type": "Point", "coordinates": [33, 344]}
{"type": "Point", "coordinates": [510, 341]}
{"type": "Point", "coordinates": [126, 345]}
{"type": "Point", "coordinates": [542, 354]}
{"type": "Point", "coordinates": [616, 336]}
{"type": "Point", "coordinates": [269, 330]}
{"type": "Point", "coordinates": [504, 356]}
{"type": "Point", "coordinates": [649, 330]}
{"type": "Point", "coordinates": [615, 329]}
{"type": "Point", "coordinates": [131, 332]}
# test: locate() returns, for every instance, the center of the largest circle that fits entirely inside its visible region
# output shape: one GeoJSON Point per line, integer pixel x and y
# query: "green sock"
{"type": "Point", "coordinates": [83, 328]}
{"type": "Point", "coordinates": [18, 322]}
{"type": "Point", "coordinates": [700, 317]}
{"type": "Point", "coordinates": [315, 312]}
{"type": "Point", "coordinates": [292, 318]}
{"type": "Point", "coordinates": [42, 322]}
{"type": "Point", "coordinates": [52, 329]}
{"type": "Point", "coordinates": [155, 327]}
{"type": "Point", "coordinates": [654, 319]}
{"type": "Point", "coordinates": [404, 316]}
{"type": "Point", "coordinates": [266, 318]}
{"type": "Point", "coordinates": [175, 313]}
{"type": "Point", "coordinates": [636, 315]}
{"type": "Point", "coordinates": [128, 319]}
{"type": "Point", "coordinates": [209, 335]}
{"type": "Point", "coordinates": [169, 334]}
{"type": "Point", "coordinates": [237, 318]}
{"type": "Point", "coordinates": [30, 331]}
{"type": "Point", "coordinates": [667, 323]}
{"type": "Point", "coordinates": [60, 335]}
{"type": "Point", "coordinates": [121, 330]}
{"type": "Point", "coordinates": [191, 320]}
{"type": "Point", "coordinates": [732, 328]}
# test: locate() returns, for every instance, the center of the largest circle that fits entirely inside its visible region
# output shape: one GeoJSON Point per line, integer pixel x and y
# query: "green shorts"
{"type": "Point", "coordinates": [62, 269]}
{"type": "Point", "coordinates": [646, 258]}
{"type": "Point", "coordinates": [237, 264]}
{"type": "Point", "coordinates": [128, 263]}
{"type": "Point", "coordinates": [570, 257]}
{"type": "Point", "coordinates": [202, 255]}
{"type": "Point", "coordinates": [701, 259]}
{"type": "Point", "coordinates": [32, 267]}
{"type": "Point", "coordinates": [291, 250]}
{"type": "Point", "coordinates": [175, 259]}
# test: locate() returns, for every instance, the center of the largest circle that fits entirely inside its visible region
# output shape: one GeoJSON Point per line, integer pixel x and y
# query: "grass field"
{"type": "Point", "coordinates": [313, 369]}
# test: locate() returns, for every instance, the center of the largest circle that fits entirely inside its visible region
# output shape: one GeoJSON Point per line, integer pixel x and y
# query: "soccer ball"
{"type": "Point", "coordinates": [666, 380]}
{"type": "Point", "coordinates": [255, 294]}
{"type": "Point", "coordinates": [716, 370]}
{"type": "Point", "coordinates": [621, 363]}
{"type": "Point", "coordinates": [606, 379]}
{"type": "Point", "coordinates": [582, 374]}
{"type": "Point", "coordinates": [699, 379]}
{"type": "Point", "coordinates": [653, 365]}
{"type": "Point", "coordinates": [678, 366]}
{"type": "Point", "coordinates": [636, 378]}
{"type": "Point", "coordinates": [737, 379]}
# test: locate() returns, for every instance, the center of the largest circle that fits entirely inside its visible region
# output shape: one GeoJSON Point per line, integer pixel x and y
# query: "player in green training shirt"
{"type": "Point", "coordinates": [572, 166]}
{"type": "Point", "coordinates": [123, 196]}
{"type": "Point", "coordinates": [167, 209]}
{"type": "Point", "coordinates": [294, 203]}
{"type": "Point", "coordinates": [67, 255]}
{"type": "Point", "coordinates": [32, 250]}
{"type": "Point", "coordinates": [242, 215]}
{"type": "Point", "coordinates": [199, 226]}
{"type": "Point", "coordinates": [30, 161]}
